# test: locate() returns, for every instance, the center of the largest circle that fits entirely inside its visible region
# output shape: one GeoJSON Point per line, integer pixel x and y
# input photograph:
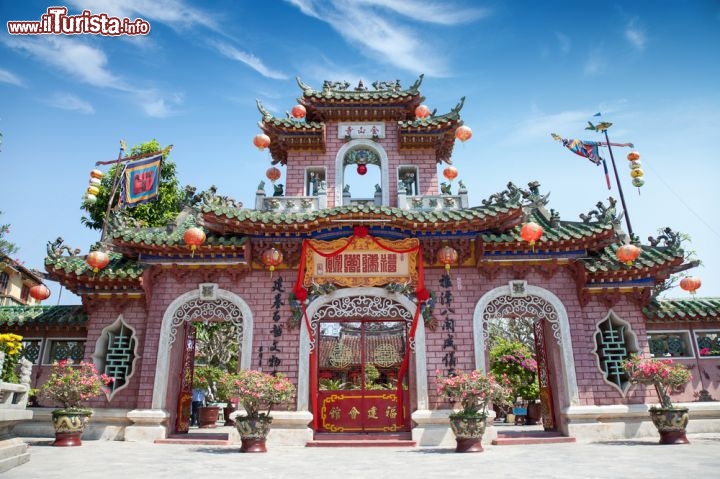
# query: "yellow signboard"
{"type": "Point", "coordinates": [366, 262]}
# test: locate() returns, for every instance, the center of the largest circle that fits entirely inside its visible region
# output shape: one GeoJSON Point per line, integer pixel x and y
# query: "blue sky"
{"type": "Point", "coordinates": [526, 69]}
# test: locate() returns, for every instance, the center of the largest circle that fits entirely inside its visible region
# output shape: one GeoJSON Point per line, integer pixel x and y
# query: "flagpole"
{"type": "Point", "coordinates": [112, 192]}
{"type": "Point", "coordinates": [619, 186]}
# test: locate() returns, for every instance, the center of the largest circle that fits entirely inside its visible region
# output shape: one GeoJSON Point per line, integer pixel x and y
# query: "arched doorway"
{"type": "Point", "coordinates": [553, 344]}
{"type": "Point", "coordinates": [173, 373]}
{"type": "Point", "coordinates": [344, 158]}
{"type": "Point", "coordinates": [371, 326]}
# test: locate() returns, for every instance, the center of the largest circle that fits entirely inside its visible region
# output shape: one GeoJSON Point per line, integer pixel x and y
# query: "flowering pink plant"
{"type": "Point", "coordinates": [70, 385]}
{"type": "Point", "coordinates": [474, 391]}
{"type": "Point", "coordinates": [260, 391]}
{"type": "Point", "coordinates": [662, 374]}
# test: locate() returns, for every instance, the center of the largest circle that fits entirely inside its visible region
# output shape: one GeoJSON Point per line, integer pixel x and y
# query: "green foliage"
{"type": "Point", "coordinates": [6, 247]}
{"type": "Point", "coordinates": [516, 361]}
{"type": "Point", "coordinates": [154, 213]}
{"type": "Point", "coordinates": [206, 378]}
{"type": "Point", "coordinates": [474, 391]}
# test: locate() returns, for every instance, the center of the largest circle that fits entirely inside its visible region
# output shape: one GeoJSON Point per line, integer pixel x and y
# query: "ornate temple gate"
{"type": "Point", "coordinates": [208, 307]}
{"type": "Point", "coordinates": [544, 315]}
{"type": "Point", "coordinates": [362, 385]}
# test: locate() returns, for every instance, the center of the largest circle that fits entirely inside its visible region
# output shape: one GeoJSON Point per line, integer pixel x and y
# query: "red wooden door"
{"type": "Point", "coordinates": [184, 404]}
{"type": "Point", "coordinates": [358, 368]}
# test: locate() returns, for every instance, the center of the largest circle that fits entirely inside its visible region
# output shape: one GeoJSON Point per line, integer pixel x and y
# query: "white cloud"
{"type": "Point", "coordinates": [636, 36]}
{"type": "Point", "coordinates": [88, 64]}
{"type": "Point", "coordinates": [79, 60]}
{"type": "Point", "coordinates": [10, 77]}
{"type": "Point", "coordinates": [368, 25]}
{"type": "Point", "coordinates": [70, 102]}
{"type": "Point", "coordinates": [538, 126]}
{"type": "Point", "coordinates": [564, 42]}
{"type": "Point", "coordinates": [595, 63]}
{"type": "Point", "coordinates": [248, 59]}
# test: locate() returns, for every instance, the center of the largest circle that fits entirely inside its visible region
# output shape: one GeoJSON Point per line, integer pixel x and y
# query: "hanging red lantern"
{"type": "Point", "coordinates": [422, 111]}
{"type": "Point", "coordinates": [97, 260]}
{"type": "Point", "coordinates": [690, 284]}
{"type": "Point", "coordinates": [633, 156]}
{"type": "Point", "coordinates": [628, 253]}
{"type": "Point", "coordinates": [450, 173]}
{"type": "Point", "coordinates": [448, 256]}
{"type": "Point", "coordinates": [531, 232]}
{"type": "Point", "coordinates": [194, 237]}
{"type": "Point", "coordinates": [463, 133]}
{"type": "Point", "coordinates": [273, 174]}
{"type": "Point", "coordinates": [361, 169]}
{"type": "Point", "coordinates": [272, 257]}
{"type": "Point", "coordinates": [40, 292]}
{"type": "Point", "coordinates": [261, 141]}
{"type": "Point", "coordinates": [298, 111]}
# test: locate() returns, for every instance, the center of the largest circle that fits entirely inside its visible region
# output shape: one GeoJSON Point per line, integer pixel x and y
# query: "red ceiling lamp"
{"type": "Point", "coordinates": [40, 292]}
{"type": "Point", "coordinates": [463, 133]}
{"type": "Point", "coordinates": [272, 174]}
{"type": "Point", "coordinates": [690, 284]}
{"type": "Point", "coordinates": [450, 173]}
{"type": "Point", "coordinates": [448, 256]}
{"type": "Point", "coordinates": [298, 112]}
{"type": "Point", "coordinates": [361, 169]}
{"type": "Point", "coordinates": [194, 237]}
{"type": "Point", "coordinates": [271, 258]}
{"type": "Point", "coordinates": [628, 253]}
{"type": "Point", "coordinates": [422, 111]}
{"type": "Point", "coordinates": [97, 260]}
{"type": "Point", "coordinates": [261, 141]}
{"type": "Point", "coordinates": [531, 232]}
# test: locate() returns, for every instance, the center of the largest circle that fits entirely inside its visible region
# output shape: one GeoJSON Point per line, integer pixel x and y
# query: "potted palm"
{"type": "Point", "coordinates": [473, 391]}
{"type": "Point", "coordinates": [665, 376]}
{"type": "Point", "coordinates": [257, 392]}
{"type": "Point", "coordinates": [71, 385]}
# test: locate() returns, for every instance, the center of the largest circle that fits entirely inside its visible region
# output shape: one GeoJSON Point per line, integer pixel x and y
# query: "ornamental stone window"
{"type": "Point", "coordinates": [115, 354]}
{"type": "Point", "coordinates": [614, 343]}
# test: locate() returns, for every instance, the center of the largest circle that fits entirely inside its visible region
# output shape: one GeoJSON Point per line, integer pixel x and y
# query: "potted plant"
{"type": "Point", "coordinates": [258, 392]}
{"type": "Point", "coordinates": [224, 389]}
{"type": "Point", "coordinates": [474, 391]}
{"type": "Point", "coordinates": [205, 380]}
{"type": "Point", "coordinates": [665, 376]}
{"type": "Point", "coordinates": [71, 385]}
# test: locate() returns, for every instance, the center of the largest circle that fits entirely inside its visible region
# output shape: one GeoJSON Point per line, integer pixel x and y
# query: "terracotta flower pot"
{"type": "Point", "coordinates": [208, 416]}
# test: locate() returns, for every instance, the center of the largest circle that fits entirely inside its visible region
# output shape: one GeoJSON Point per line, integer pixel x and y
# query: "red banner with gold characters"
{"type": "Point", "coordinates": [365, 261]}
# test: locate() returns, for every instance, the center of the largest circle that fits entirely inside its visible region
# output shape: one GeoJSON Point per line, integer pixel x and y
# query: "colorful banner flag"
{"type": "Point", "coordinates": [141, 181]}
{"type": "Point", "coordinates": [586, 149]}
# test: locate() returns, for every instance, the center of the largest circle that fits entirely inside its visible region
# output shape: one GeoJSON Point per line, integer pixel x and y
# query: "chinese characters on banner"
{"type": "Point", "coordinates": [361, 130]}
{"type": "Point", "coordinates": [274, 361]}
{"type": "Point", "coordinates": [448, 324]}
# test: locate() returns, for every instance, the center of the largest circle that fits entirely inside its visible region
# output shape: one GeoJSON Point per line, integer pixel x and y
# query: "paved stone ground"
{"type": "Point", "coordinates": [638, 459]}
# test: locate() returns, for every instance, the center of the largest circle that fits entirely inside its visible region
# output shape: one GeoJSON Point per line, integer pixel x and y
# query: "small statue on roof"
{"type": "Point", "coordinates": [279, 189]}
{"type": "Point", "coordinates": [445, 188]}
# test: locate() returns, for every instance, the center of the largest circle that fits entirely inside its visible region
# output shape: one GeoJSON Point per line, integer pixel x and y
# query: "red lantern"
{"type": "Point", "coordinates": [298, 111]}
{"type": "Point", "coordinates": [690, 284]}
{"type": "Point", "coordinates": [531, 232]}
{"type": "Point", "coordinates": [272, 257]}
{"type": "Point", "coordinates": [447, 255]}
{"type": "Point", "coordinates": [628, 253]}
{"type": "Point", "coordinates": [97, 260]}
{"type": "Point", "coordinates": [463, 133]}
{"type": "Point", "coordinates": [261, 141]}
{"type": "Point", "coordinates": [361, 169]}
{"type": "Point", "coordinates": [422, 111]}
{"type": "Point", "coordinates": [450, 173]}
{"type": "Point", "coordinates": [194, 237]}
{"type": "Point", "coordinates": [633, 155]}
{"type": "Point", "coordinates": [273, 174]}
{"type": "Point", "coordinates": [40, 292]}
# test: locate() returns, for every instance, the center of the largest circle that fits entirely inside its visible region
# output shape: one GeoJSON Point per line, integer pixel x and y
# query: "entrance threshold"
{"type": "Point", "coordinates": [508, 435]}
{"type": "Point", "coordinates": [396, 439]}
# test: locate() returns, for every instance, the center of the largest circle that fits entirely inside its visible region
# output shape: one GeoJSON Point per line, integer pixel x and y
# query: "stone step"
{"type": "Point", "coordinates": [197, 439]}
{"type": "Point", "coordinates": [13, 452]}
{"type": "Point", "coordinates": [361, 443]}
{"type": "Point", "coordinates": [508, 438]}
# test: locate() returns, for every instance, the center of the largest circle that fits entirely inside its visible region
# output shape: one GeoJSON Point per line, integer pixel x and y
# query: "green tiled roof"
{"type": "Point", "coordinates": [699, 309]}
{"type": "Point", "coordinates": [73, 315]}
{"type": "Point", "coordinates": [160, 237]}
{"type": "Point", "coordinates": [289, 123]}
{"type": "Point", "coordinates": [562, 231]}
{"type": "Point", "coordinates": [334, 91]}
{"type": "Point", "coordinates": [118, 268]}
{"type": "Point", "coordinates": [649, 257]}
{"type": "Point", "coordinates": [417, 216]}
